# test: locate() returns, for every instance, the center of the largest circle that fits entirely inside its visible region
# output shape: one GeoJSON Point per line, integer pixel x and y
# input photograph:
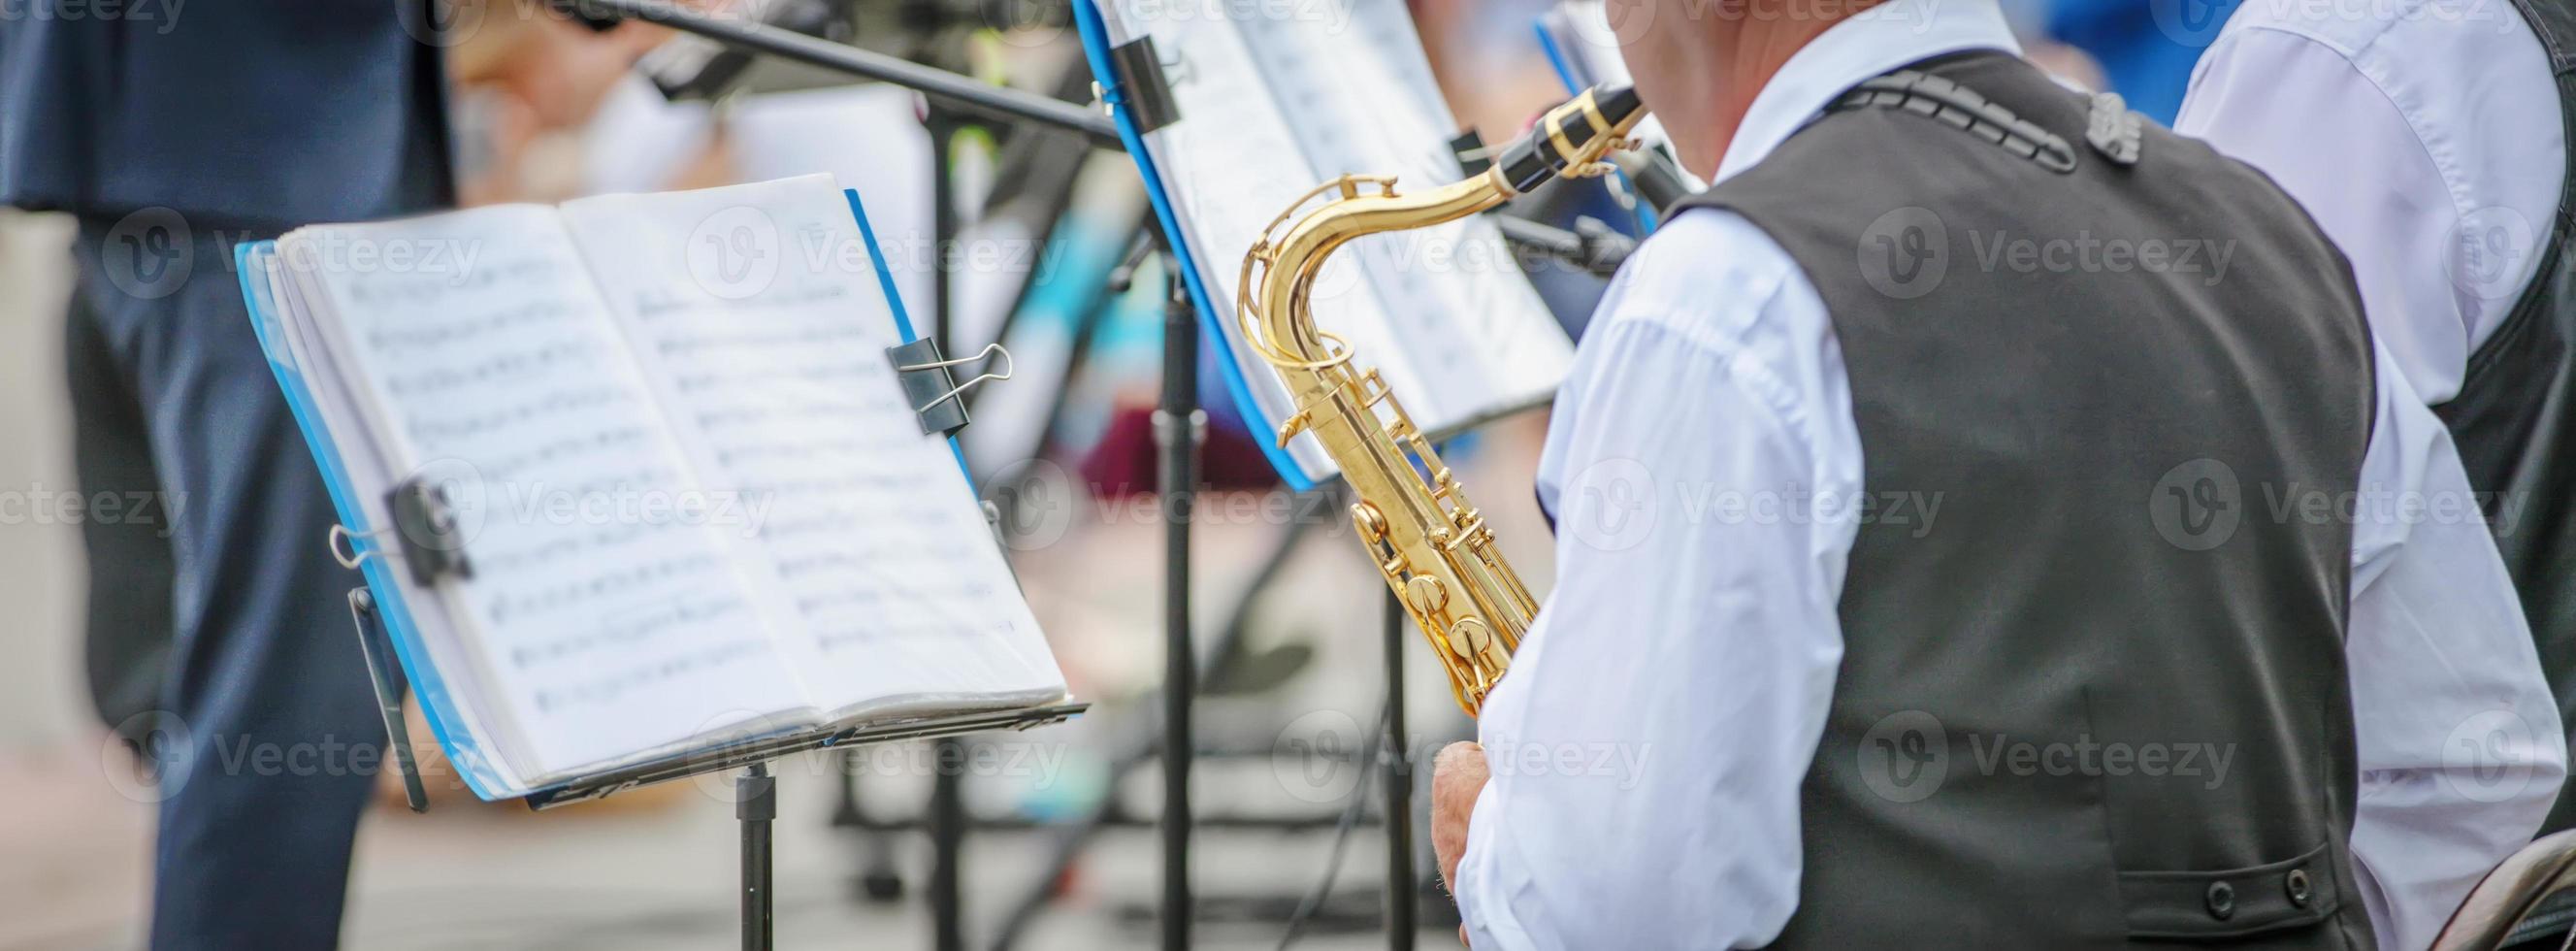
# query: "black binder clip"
{"type": "Point", "coordinates": [936, 396]}
{"type": "Point", "coordinates": [426, 528]}
{"type": "Point", "coordinates": [1139, 73]}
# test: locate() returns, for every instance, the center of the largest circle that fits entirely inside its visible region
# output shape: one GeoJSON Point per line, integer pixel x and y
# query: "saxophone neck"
{"type": "Point", "coordinates": [1297, 257]}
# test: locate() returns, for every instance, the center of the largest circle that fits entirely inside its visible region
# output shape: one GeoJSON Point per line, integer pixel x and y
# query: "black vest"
{"type": "Point", "coordinates": [2099, 698]}
{"type": "Point", "coordinates": [2514, 419]}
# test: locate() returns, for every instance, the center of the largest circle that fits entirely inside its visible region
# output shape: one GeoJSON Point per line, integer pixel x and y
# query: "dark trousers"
{"type": "Point", "coordinates": [271, 738]}
{"type": "Point", "coordinates": [127, 637]}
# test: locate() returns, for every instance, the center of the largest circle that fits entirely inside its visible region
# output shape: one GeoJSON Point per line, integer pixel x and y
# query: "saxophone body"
{"type": "Point", "coordinates": [1432, 545]}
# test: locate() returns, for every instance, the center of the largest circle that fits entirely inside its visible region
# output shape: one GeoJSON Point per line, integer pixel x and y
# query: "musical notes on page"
{"type": "Point", "coordinates": [508, 387]}
{"type": "Point", "coordinates": [1444, 313]}
{"type": "Point", "coordinates": [763, 336]}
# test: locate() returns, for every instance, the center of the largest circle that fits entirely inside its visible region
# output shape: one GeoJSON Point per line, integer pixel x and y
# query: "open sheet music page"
{"type": "Point", "coordinates": [1272, 105]}
{"type": "Point", "coordinates": [694, 505]}
{"type": "Point", "coordinates": [505, 382]}
{"type": "Point", "coordinates": [761, 323]}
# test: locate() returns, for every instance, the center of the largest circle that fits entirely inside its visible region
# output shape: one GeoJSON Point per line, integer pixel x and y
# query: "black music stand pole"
{"type": "Point", "coordinates": [1400, 894]}
{"type": "Point", "coordinates": [963, 93]}
{"type": "Point", "coordinates": [947, 797]}
{"type": "Point", "coordinates": [1178, 424]}
{"type": "Point", "coordinates": [756, 804]}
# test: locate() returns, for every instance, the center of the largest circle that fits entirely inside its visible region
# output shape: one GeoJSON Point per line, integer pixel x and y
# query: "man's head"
{"type": "Point", "coordinates": [1699, 63]}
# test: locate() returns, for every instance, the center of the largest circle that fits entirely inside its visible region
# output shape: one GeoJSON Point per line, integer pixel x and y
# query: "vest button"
{"type": "Point", "coordinates": [2222, 900]}
{"type": "Point", "coordinates": [2297, 884]}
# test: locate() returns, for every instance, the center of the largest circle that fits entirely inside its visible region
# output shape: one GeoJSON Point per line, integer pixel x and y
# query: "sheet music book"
{"type": "Point", "coordinates": [695, 505]}
{"type": "Point", "coordinates": [1273, 105]}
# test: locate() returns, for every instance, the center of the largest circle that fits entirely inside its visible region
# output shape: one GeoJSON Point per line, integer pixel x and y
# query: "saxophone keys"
{"type": "Point", "coordinates": [1369, 521]}
{"type": "Point", "coordinates": [1426, 594]}
{"type": "Point", "coordinates": [1463, 639]}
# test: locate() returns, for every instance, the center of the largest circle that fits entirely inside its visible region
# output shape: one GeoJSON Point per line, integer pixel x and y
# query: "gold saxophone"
{"type": "Point", "coordinates": [1435, 549]}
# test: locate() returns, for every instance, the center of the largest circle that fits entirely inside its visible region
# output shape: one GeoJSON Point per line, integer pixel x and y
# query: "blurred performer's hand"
{"type": "Point", "coordinates": [517, 79]}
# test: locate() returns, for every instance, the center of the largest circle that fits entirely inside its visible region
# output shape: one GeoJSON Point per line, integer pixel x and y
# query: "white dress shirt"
{"type": "Point", "coordinates": [1648, 747]}
{"type": "Point", "coordinates": [2423, 137]}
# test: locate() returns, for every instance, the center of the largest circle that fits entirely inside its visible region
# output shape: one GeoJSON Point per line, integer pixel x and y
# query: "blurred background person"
{"type": "Point", "coordinates": [2431, 145]}
{"type": "Point", "coordinates": [171, 141]}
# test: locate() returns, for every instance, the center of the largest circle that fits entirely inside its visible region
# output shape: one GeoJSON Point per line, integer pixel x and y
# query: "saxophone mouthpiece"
{"type": "Point", "coordinates": [1571, 138]}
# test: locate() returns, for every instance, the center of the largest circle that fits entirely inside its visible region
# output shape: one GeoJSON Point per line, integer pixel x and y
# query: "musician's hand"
{"type": "Point", "coordinates": [1456, 778]}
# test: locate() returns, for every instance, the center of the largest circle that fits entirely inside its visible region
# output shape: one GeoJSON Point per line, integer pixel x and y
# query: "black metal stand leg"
{"type": "Point", "coordinates": [1400, 895]}
{"type": "Point", "coordinates": [756, 804]}
{"type": "Point", "coordinates": [947, 806]}
{"type": "Point", "coordinates": [1176, 434]}
{"type": "Point", "coordinates": [385, 673]}
{"type": "Point", "coordinates": [878, 879]}
{"type": "Point", "coordinates": [947, 841]}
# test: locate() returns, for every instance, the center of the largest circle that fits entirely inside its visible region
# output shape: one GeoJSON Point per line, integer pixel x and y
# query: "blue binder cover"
{"type": "Point", "coordinates": [254, 261]}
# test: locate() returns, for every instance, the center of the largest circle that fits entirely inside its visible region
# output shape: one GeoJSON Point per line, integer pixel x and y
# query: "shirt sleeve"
{"type": "Point", "coordinates": [2460, 746]}
{"type": "Point", "coordinates": [2435, 178]}
{"type": "Point", "coordinates": [1647, 747]}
